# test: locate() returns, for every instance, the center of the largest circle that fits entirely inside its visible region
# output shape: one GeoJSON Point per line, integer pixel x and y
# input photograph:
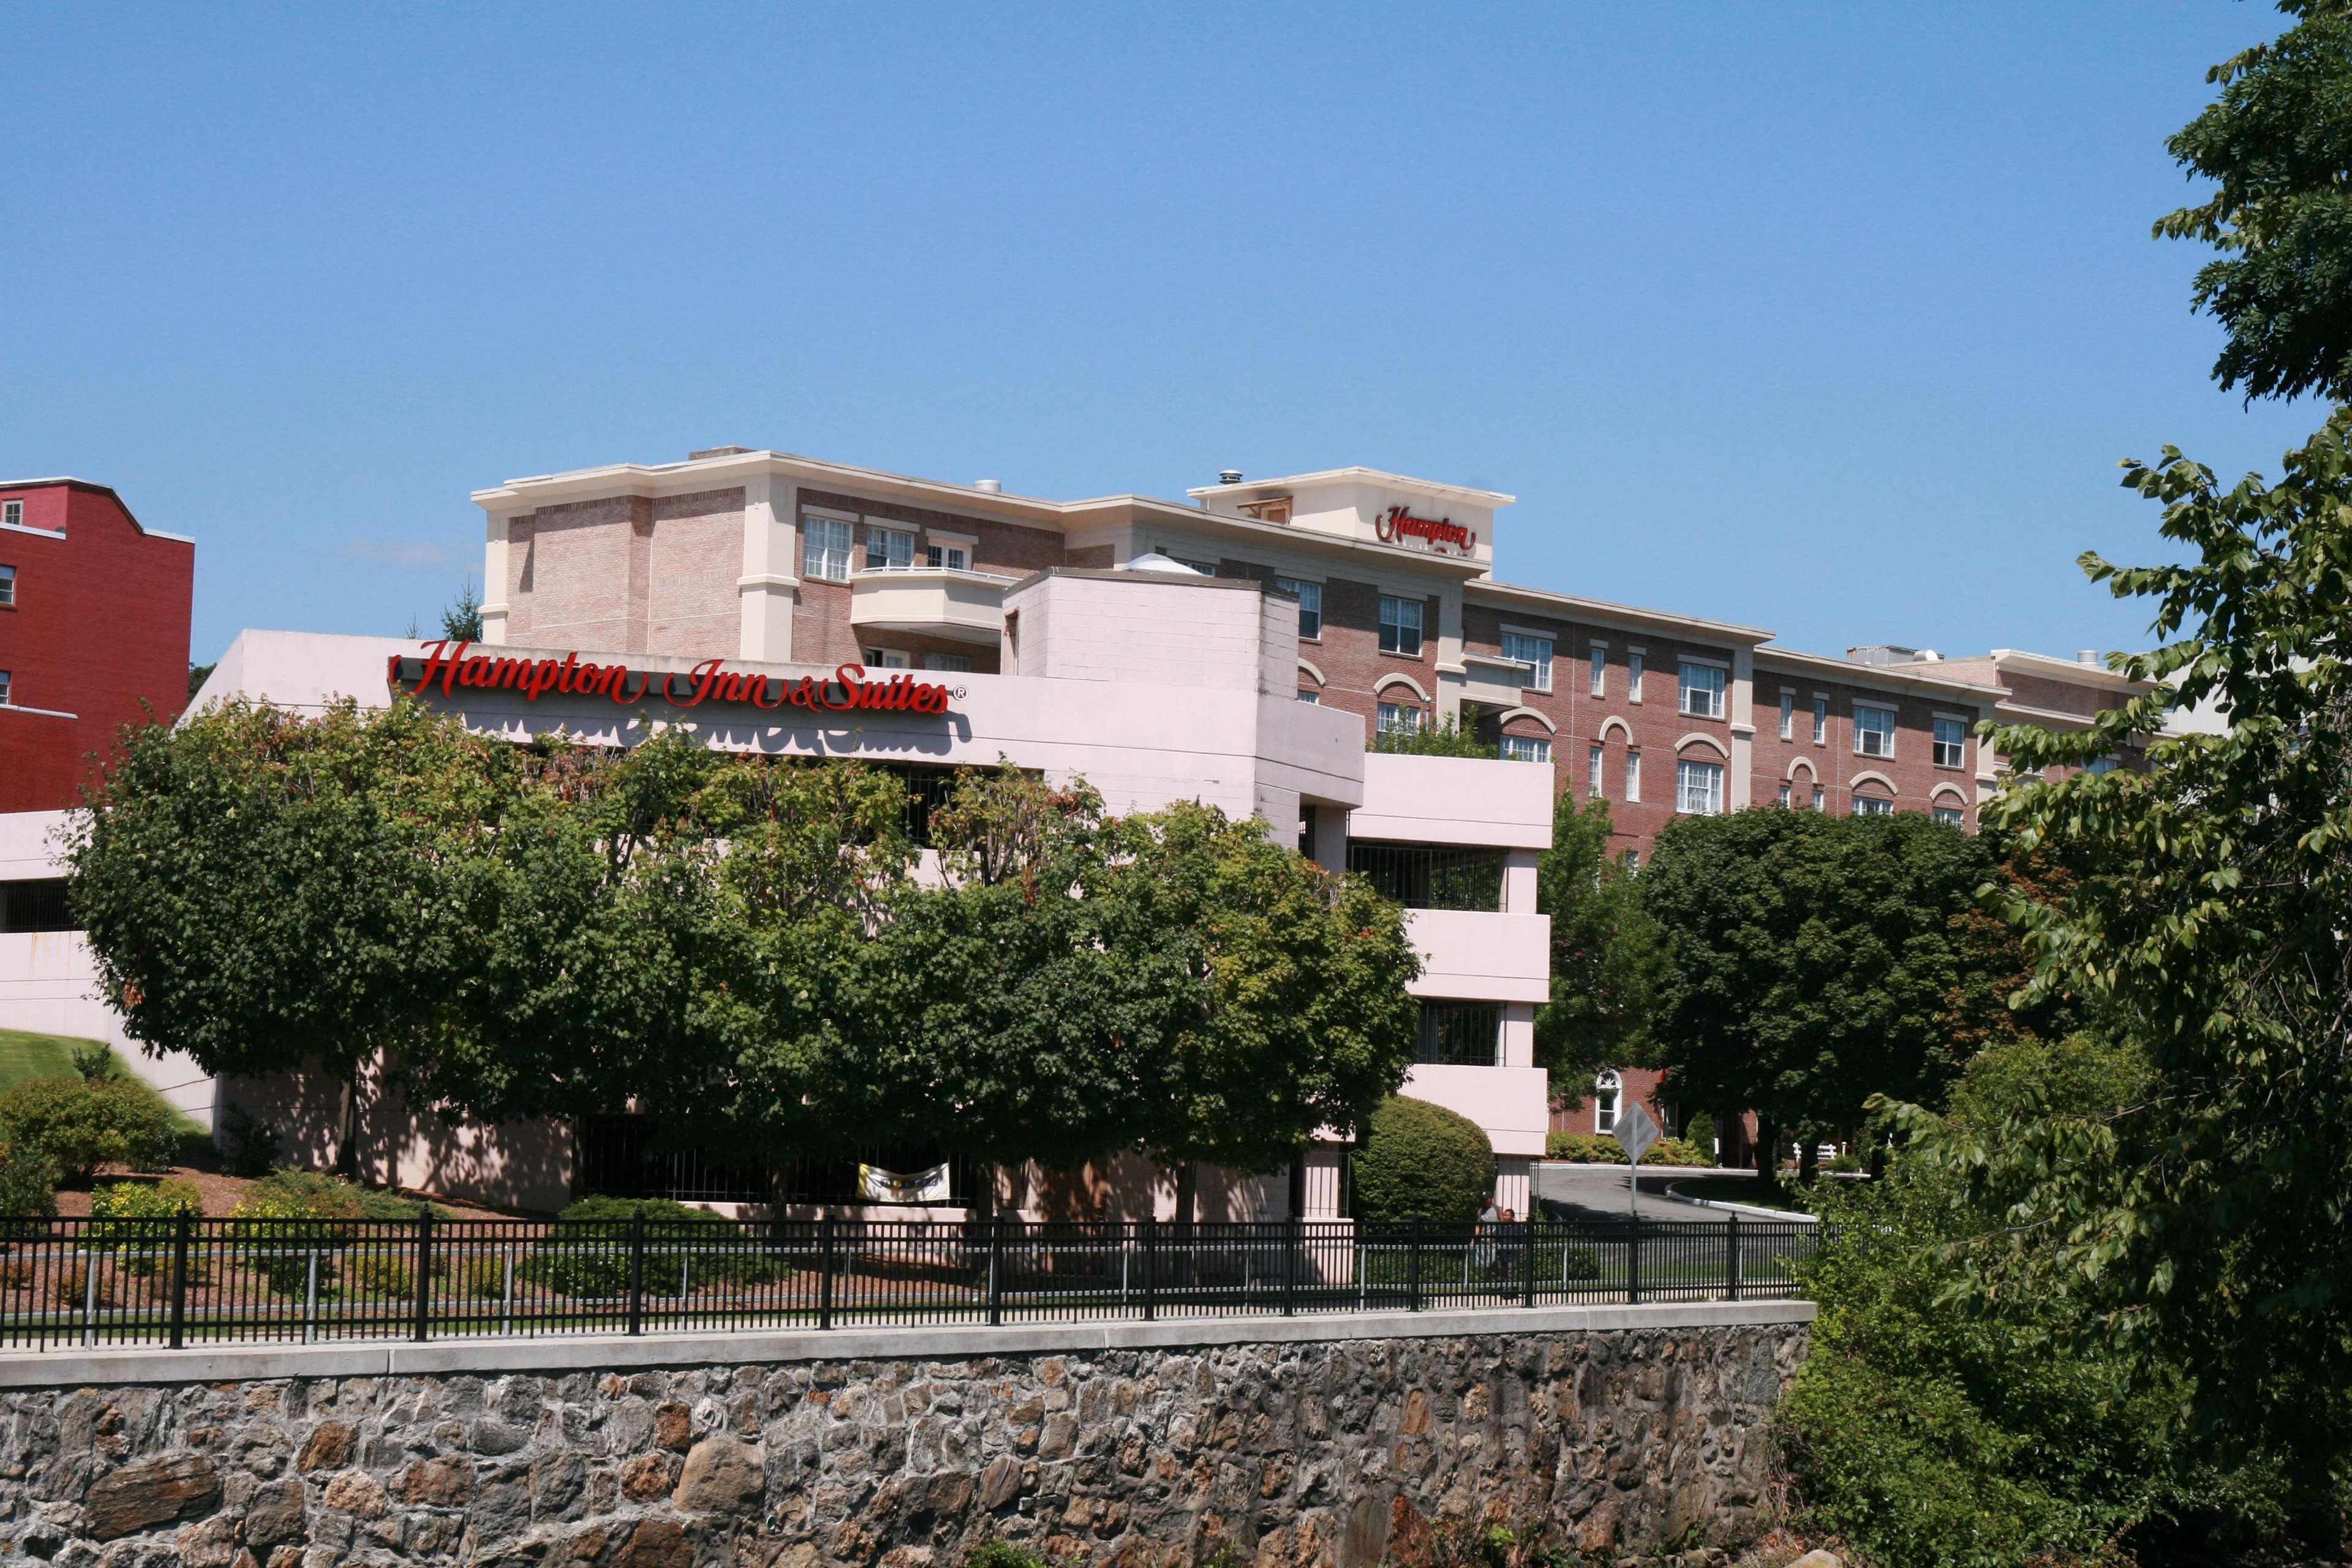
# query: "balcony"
{"type": "Point", "coordinates": [934, 601]}
{"type": "Point", "coordinates": [1473, 956]}
{"type": "Point", "coordinates": [1497, 682]}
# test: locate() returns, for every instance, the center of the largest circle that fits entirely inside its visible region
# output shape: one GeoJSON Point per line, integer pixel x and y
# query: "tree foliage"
{"type": "Point", "coordinates": [2206, 917]}
{"type": "Point", "coordinates": [1606, 957]}
{"type": "Point", "coordinates": [1810, 961]}
{"type": "Point", "coordinates": [2277, 145]}
{"type": "Point", "coordinates": [748, 949]}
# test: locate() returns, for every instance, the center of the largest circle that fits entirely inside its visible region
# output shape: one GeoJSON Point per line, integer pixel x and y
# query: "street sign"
{"type": "Point", "coordinates": [1636, 1133]}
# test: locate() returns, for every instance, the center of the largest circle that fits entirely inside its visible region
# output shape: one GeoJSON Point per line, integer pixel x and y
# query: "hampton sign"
{"type": "Point", "coordinates": [1397, 524]}
{"type": "Point", "coordinates": [447, 666]}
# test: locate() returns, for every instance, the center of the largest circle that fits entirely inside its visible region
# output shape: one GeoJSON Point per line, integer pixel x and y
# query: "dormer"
{"type": "Point", "coordinates": [1448, 521]}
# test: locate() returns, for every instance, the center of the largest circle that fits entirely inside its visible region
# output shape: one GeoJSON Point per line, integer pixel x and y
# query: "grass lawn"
{"type": "Point", "coordinates": [23, 1056]}
{"type": "Point", "coordinates": [1741, 1190]}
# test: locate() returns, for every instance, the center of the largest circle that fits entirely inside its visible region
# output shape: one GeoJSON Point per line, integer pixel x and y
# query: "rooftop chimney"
{"type": "Point", "coordinates": [988, 487]}
{"type": "Point", "coordinates": [716, 452]}
{"type": "Point", "coordinates": [1229, 475]}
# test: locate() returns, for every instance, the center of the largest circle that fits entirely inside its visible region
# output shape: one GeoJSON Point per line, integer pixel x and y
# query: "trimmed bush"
{"type": "Point", "coordinates": [81, 1125]}
{"type": "Point", "coordinates": [281, 1252]}
{"type": "Point", "coordinates": [1698, 1131]}
{"type": "Point", "coordinates": [28, 1186]}
{"type": "Point", "coordinates": [591, 1260]}
{"type": "Point", "coordinates": [249, 1145]}
{"type": "Point", "coordinates": [135, 1219]}
{"type": "Point", "coordinates": [1591, 1149]}
{"type": "Point", "coordinates": [1422, 1162]}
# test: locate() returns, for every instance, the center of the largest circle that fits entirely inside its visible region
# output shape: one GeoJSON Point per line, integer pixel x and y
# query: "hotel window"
{"type": "Point", "coordinates": [1874, 731]}
{"type": "Point", "coordinates": [7, 584]}
{"type": "Point", "coordinates": [1311, 697]}
{"type": "Point", "coordinates": [1951, 743]}
{"type": "Point", "coordinates": [36, 906]}
{"type": "Point", "coordinates": [886, 658]}
{"type": "Point", "coordinates": [1526, 748]}
{"type": "Point", "coordinates": [1401, 625]}
{"type": "Point", "coordinates": [1820, 800]}
{"type": "Point", "coordinates": [1594, 781]}
{"type": "Point", "coordinates": [1532, 651]}
{"type": "Point", "coordinates": [889, 549]}
{"type": "Point", "coordinates": [1460, 1035]}
{"type": "Point", "coordinates": [12, 513]}
{"type": "Point", "coordinates": [1873, 805]}
{"type": "Point", "coordinates": [1633, 675]}
{"type": "Point", "coordinates": [1608, 1098]}
{"type": "Point", "coordinates": [1633, 775]}
{"type": "Point", "coordinates": [1311, 605]}
{"type": "Point", "coordinates": [3, 688]}
{"type": "Point", "coordinates": [953, 663]}
{"type": "Point", "coordinates": [1951, 816]}
{"type": "Point", "coordinates": [2098, 766]}
{"type": "Point", "coordinates": [1786, 791]}
{"type": "Point", "coordinates": [1698, 788]}
{"type": "Point", "coordinates": [1787, 714]}
{"type": "Point", "coordinates": [824, 548]}
{"type": "Point", "coordinates": [1702, 689]}
{"type": "Point", "coordinates": [1430, 876]}
{"type": "Point", "coordinates": [1820, 719]}
{"type": "Point", "coordinates": [1205, 568]}
{"type": "Point", "coordinates": [1599, 683]}
{"type": "Point", "coordinates": [952, 557]}
{"type": "Point", "coordinates": [1400, 719]}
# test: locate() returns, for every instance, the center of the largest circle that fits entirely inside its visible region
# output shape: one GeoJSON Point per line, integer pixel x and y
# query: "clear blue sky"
{"type": "Point", "coordinates": [1828, 318]}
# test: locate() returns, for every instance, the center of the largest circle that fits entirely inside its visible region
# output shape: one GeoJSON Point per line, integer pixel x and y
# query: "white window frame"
{"type": "Point", "coordinates": [1821, 718]}
{"type": "Point", "coordinates": [1526, 748]}
{"type": "Point", "coordinates": [1533, 649]}
{"type": "Point", "coordinates": [8, 683]}
{"type": "Point", "coordinates": [1872, 806]}
{"type": "Point", "coordinates": [1598, 652]}
{"type": "Point", "coordinates": [1715, 693]}
{"type": "Point", "coordinates": [1312, 698]}
{"type": "Point", "coordinates": [1788, 792]}
{"type": "Point", "coordinates": [1401, 718]}
{"type": "Point", "coordinates": [1596, 767]}
{"type": "Point", "coordinates": [939, 662]}
{"type": "Point", "coordinates": [1608, 1101]}
{"type": "Point", "coordinates": [7, 584]}
{"type": "Point", "coordinates": [1960, 758]}
{"type": "Point", "coordinates": [946, 555]}
{"type": "Point", "coordinates": [1698, 787]}
{"type": "Point", "coordinates": [897, 547]}
{"type": "Point", "coordinates": [1787, 713]}
{"type": "Point", "coordinates": [1950, 816]}
{"type": "Point", "coordinates": [828, 541]}
{"type": "Point", "coordinates": [1861, 730]}
{"type": "Point", "coordinates": [1820, 798]}
{"type": "Point", "coordinates": [1399, 623]}
{"type": "Point", "coordinates": [1310, 604]}
{"type": "Point", "coordinates": [1634, 674]}
{"type": "Point", "coordinates": [12, 514]}
{"type": "Point", "coordinates": [888, 658]}
{"type": "Point", "coordinates": [1633, 775]}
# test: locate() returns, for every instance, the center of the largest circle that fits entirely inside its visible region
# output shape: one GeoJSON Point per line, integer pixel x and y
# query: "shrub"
{"type": "Point", "coordinates": [1422, 1162]}
{"type": "Point", "coordinates": [136, 1218]}
{"type": "Point", "coordinates": [28, 1186]}
{"type": "Point", "coordinates": [281, 1249]}
{"type": "Point", "coordinates": [94, 1059]}
{"type": "Point", "coordinates": [590, 1257]}
{"type": "Point", "coordinates": [1003, 1554]}
{"type": "Point", "coordinates": [82, 1125]}
{"type": "Point", "coordinates": [249, 1145]}
{"type": "Point", "coordinates": [1698, 1131]}
{"type": "Point", "coordinates": [287, 1193]}
{"type": "Point", "coordinates": [1590, 1149]}
{"type": "Point", "coordinates": [1444, 740]}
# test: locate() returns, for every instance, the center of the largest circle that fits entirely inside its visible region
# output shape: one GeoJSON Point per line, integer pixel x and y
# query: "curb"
{"type": "Point", "coordinates": [1751, 1210]}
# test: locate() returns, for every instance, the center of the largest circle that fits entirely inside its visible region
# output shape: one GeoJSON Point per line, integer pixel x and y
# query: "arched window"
{"type": "Point", "coordinates": [1608, 1095]}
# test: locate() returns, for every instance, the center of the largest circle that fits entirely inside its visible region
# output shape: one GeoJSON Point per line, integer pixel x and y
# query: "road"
{"type": "Point", "coordinates": [1598, 1192]}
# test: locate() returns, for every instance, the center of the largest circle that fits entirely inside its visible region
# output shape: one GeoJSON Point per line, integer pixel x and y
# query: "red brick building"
{"type": "Point", "coordinates": [93, 632]}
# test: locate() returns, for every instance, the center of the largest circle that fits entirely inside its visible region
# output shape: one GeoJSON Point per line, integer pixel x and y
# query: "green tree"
{"type": "Point", "coordinates": [2205, 917]}
{"type": "Point", "coordinates": [1448, 739]}
{"type": "Point", "coordinates": [265, 892]}
{"type": "Point", "coordinates": [1606, 956]}
{"type": "Point", "coordinates": [2277, 145]}
{"type": "Point", "coordinates": [1811, 962]}
{"type": "Point", "coordinates": [462, 621]}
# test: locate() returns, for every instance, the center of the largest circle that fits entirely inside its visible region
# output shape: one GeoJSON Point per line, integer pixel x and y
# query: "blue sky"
{"type": "Point", "coordinates": [1832, 319]}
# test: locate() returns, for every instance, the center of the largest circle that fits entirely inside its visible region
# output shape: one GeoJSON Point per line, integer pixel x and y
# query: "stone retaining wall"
{"type": "Point", "coordinates": [1311, 1451]}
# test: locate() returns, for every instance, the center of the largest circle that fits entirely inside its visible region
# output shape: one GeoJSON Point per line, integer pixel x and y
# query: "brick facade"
{"type": "Point", "coordinates": [96, 638]}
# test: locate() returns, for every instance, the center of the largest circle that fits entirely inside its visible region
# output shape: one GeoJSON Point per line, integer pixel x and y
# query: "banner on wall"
{"type": "Point", "coordinates": [877, 1186]}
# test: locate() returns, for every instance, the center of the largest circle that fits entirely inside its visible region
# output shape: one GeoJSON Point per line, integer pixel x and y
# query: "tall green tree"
{"type": "Point", "coordinates": [2206, 916]}
{"type": "Point", "coordinates": [1811, 962]}
{"type": "Point", "coordinates": [262, 891]}
{"type": "Point", "coordinates": [1606, 959]}
{"type": "Point", "coordinates": [2277, 145]}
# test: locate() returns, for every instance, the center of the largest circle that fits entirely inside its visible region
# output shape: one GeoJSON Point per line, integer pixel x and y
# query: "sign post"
{"type": "Point", "coordinates": [1635, 1133]}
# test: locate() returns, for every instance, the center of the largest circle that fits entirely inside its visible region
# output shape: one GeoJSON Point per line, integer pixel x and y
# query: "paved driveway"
{"type": "Point", "coordinates": [1598, 1192]}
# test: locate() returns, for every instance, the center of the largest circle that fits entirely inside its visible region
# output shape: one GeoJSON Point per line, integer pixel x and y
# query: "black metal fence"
{"type": "Point", "coordinates": [65, 1283]}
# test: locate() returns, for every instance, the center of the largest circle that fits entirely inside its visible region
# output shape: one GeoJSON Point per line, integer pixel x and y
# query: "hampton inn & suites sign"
{"type": "Point", "coordinates": [447, 666]}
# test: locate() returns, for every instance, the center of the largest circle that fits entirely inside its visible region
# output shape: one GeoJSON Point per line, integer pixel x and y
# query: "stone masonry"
{"type": "Point", "coordinates": [1334, 1452]}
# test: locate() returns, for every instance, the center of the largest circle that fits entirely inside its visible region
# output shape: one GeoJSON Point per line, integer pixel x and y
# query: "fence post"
{"type": "Point", "coordinates": [180, 1230]}
{"type": "Point", "coordinates": [1413, 1269]}
{"type": "Point", "coordinates": [1634, 1264]}
{"type": "Point", "coordinates": [995, 1269]}
{"type": "Point", "coordinates": [1731, 1276]}
{"type": "Point", "coordinates": [1527, 1278]}
{"type": "Point", "coordinates": [824, 1266]}
{"type": "Point", "coordinates": [1294, 1238]}
{"type": "Point", "coordinates": [423, 1307]}
{"type": "Point", "coordinates": [637, 1270]}
{"type": "Point", "coordinates": [1150, 1268]}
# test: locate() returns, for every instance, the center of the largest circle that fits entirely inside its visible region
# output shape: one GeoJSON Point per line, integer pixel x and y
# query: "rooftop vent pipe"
{"type": "Point", "coordinates": [2087, 656]}
{"type": "Point", "coordinates": [988, 487]}
{"type": "Point", "coordinates": [1229, 475]}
